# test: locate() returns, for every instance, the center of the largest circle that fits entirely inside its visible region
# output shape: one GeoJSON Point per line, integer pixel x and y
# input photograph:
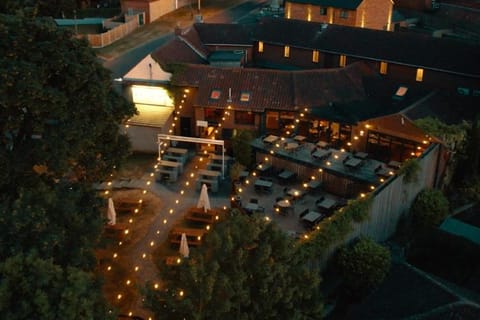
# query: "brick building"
{"type": "Point", "coordinates": [373, 14]}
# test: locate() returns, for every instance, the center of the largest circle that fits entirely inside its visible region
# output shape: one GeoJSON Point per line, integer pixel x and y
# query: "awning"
{"type": "Point", "coordinates": [151, 115]}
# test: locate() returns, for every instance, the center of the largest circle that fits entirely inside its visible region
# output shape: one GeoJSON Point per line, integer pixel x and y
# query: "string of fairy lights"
{"type": "Point", "coordinates": [279, 145]}
{"type": "Point", "coordinates": [190, 176]}
{"type": "Point", "coordinates": [188, 183]}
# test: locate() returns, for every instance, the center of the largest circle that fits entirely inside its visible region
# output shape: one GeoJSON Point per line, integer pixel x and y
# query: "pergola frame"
{"type": "Point", "coordinates": [161, 137]}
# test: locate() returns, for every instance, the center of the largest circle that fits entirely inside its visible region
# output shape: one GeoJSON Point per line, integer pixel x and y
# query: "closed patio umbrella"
{"type": "Point", "coordinates": [203, 200]}
{"type": "Point", "coordinates": [111, 214]}
{"type": "Point", "coordinates": [184, 250]}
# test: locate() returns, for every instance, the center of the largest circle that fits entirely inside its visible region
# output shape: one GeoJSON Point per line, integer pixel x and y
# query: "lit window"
{"type": "Point", "coordinates": [383, 67]}
{"type": "Point", "coordinates": [215, 94]}
{"type": "Point", "coordinates": [419, 76]}
{"type": "Point", "coordinates": [343, 60]}
{"type": "Point", "coordinates": [344, 14]}
{"type": "Point", "coordinates": [245, 96]}
{"type": "Point", "coordinates": [323, 11]}
{"type": "Point", "coordinates": [315, 56]}
{"type": "Point", "coordinates": [286, 52]}
{"type": "Point", "coordinates": [260, 46]}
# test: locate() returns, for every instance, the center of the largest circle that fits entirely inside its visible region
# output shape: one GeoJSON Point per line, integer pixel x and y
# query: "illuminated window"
{"type": "Point", "coordinates": [383, 67]}
{"type": "Point", "coordinates": [245, 96]}
{"type": "Point", "coordinates": [286, 52]}
{"type": "Point", "coordinates": [215, 94]}
{"type": "Point", "coordinates": [344, 14]}
{"type": "Point", "coordinates": [315, 56]}
{"type": "Point", "coordinates": [323, 11]}
{"type": "Point", "coordinates": [343, 60]}
{"type": "Point", "coordinates": [260, 46]}
{"type": "Point", "coordinates": [419, 76]}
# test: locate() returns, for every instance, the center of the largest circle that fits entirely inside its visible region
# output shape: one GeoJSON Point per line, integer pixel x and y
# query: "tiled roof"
{"type": "Point", "coordinates": [225, 34]}
{"type": "Point", "coordinates": [176, 51]}
{"type": "Point", "coordinates": [268, 89]}
{"type": "Point", "coordinates": [338, 85]}
{"type": "Point", "coordinates": [404, 48]}
{"type": "Point", "coordinates": [191, 37]}
{"type": "Point", "coordinates": [273, 89]}
{"type": "Point", "coordinates": [343, 4]}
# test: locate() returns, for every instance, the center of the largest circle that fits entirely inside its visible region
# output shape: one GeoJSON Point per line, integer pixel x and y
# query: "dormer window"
{"type": "Point", "coordinates": [245, 96]}
{"type": "Point", "coordinates": [215, 94]}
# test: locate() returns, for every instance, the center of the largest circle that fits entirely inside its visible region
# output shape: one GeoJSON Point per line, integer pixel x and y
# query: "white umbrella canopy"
{"type": "Point", "coordinates": [111, 214]}
{"type": "Point", "coordinates": [203, 200]}
{"type": "Point", "coordinates": [184, 250]}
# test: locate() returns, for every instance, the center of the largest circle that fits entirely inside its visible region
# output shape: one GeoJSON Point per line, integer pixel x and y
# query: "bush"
{"type": "Point", "coordinates": [363, 266]}
{"type": "Point", "coordinates": [429, 209]}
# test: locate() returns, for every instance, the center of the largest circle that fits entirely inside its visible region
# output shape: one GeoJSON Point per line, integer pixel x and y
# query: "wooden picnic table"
{"type": "Point", "coordinates": [321, 154]}
{"type": "Point", "coordinates": [194, 235]}
{"type": "Point", "coordinates": [179, 151]}
{"type": "Point", "coordinates": [203, 173]}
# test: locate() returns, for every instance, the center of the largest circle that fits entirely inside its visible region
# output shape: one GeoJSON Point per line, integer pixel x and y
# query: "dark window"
{"type": "Point", "coordinates": [244, 117]}
{"type": "Point", "coordinates": [323, 11]}
{"type": "Point", "coordinates": [344, 14]}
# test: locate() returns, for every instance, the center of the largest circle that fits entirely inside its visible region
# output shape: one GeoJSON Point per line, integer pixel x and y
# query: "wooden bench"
{"type": "Point", "coordinates": [199, 215]}
{"type": "Point", "coordinates": [127, 205]}
{"type": "Point", "coordinates": [194, 236]}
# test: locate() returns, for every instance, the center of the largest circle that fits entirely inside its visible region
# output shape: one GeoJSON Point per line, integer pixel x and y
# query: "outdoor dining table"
{"type": "Point", "coordinates": [209, 174]}
{"type": "Point", "coordinates": [271, 139]}
{"type": "Point", "coordinates": [322, 144]}
{"type": "Point", "coordinates": [312, 217]}
{"type": "Point", "coordinates": [321, 154]}
{"type": "Point", "coordinates": [353, 162]}
{"type": "Point", "coordinates": [384, 172]}
{"type": "Point", "coordinates": [394, 164]}
{"type": "Point", "coordinates": [263, 167]}
{"type": "Point", "coordinates": [284, 206]}
{"type": "Point", "coordinates": [286, 174]}
{"type": "Point", "coordinates": [299, 138]}
{"type": "Point", "coordinates": [263, 183]}
{"type": "Point", "coordinates": [291, 146]}
{"type": "Point", "coordinates": [295, 193]}
{"type": "Point", "coordinates": [327, 204]}
{"type": "Point", "coordinates": [361, 155]}
{"type": "Point", "coordinates": [314, 184]}
{"type": "Point", "coordinates": [170, 165]}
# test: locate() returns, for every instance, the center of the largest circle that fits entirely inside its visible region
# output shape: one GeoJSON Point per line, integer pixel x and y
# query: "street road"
{"type": "Point", "coordinates": [240, 14]}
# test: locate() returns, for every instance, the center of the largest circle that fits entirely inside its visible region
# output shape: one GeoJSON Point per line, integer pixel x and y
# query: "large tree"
{"type": "Point", "coordinates": [42, 8]}
{"type": "Point", "coordinates": [60, 124]}
{"type": "Point", "coordinates": [59, 114]}
{"type": "Point", "coordinates": [247, 268]}
{"type": "Point", "coordinates": [34, 288]}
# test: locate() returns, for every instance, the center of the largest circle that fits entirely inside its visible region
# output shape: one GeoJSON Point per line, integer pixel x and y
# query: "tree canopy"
{"type": "Point", "coordinates": [59, 113]}
{"type": "Point", "coordinates": [429, 209]}
{"type": "Point", "coordinates": [246, 268]}
{"type": "Point", "coordinates": [41, 8]}
{"type": "Point", "coordinates": [241, 147]}
{"type": "Point", "coordinates": [363, 266]}
{"type": "Point", "coordinates": [60, 124]}
{"type": "Point", "coordinates": [34, 288]}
